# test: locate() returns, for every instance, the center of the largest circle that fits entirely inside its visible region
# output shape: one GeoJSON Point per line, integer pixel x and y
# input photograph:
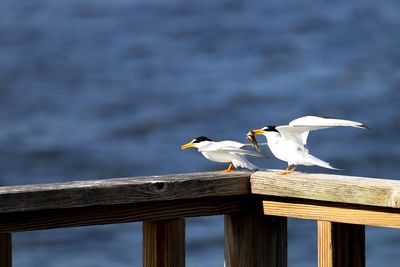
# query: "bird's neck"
{"type": "Point", "coordinates": [272, 137]}
{"type": "Point", "coordinates": [203, 144]}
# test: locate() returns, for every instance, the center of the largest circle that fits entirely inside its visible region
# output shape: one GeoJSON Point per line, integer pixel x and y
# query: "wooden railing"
{"type": "Point", "coordinates": [256, 206]}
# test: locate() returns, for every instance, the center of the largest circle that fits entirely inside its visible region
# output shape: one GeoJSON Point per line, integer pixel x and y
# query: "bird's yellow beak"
{"type": "Point", "coordinates": [258, 131]}
{"type": "Point", "coordinates": [186, 146]}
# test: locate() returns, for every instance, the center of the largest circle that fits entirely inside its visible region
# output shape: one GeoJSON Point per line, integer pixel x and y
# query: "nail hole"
{"type": "Point", "coordinates": [159, 186]}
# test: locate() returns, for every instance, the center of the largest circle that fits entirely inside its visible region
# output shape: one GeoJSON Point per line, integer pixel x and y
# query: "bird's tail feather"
{"type": "Point", "coordinates": [321, 163]}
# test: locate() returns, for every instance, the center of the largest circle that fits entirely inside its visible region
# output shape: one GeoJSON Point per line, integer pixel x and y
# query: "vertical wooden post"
{"type": "Point", "coordinates": [341, 245]}
{"type": "Point", "coordinates": [164, 243]}
{"type": "Point", "coordinates": [5, 250]}
{"type": "Point", "coordinates": [255, 240]}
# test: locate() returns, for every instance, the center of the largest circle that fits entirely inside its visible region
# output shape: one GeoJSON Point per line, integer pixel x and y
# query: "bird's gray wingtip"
{"type": "Point", "coordinates": [364, 126]}
{"type": "Point", "coordinates": [337, 169]}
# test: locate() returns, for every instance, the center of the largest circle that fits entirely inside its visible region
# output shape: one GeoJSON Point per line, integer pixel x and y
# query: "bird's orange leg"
{"type": "Point", "coordinates": [230, 168]}
{"type": "Point", "coordinates": [288, 170]}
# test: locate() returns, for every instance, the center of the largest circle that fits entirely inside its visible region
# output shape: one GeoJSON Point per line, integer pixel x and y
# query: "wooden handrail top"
{"type": "Point", "coordinates": [24, 198]}
{"type": "Point", "coordinates": [328, 187]}
{"type": "Point", "coordinates": [316, 187]}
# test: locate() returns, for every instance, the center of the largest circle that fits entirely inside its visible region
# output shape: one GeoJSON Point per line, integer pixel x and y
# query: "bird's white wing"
{"type": "Point", "coordinates": [295, 134]}
{"type": "Point", "coordinates": [218, 146]}
{"type": "Point", "coordinates": [315, 123]}
{"type": "Point", "coordinates": [230, 147]}
{"type": "Point", "coordinates": [240, 151]}
{"type": "Point", "coordinates": [229, 143]}
{"type": "Point", "coordinates": [299, 129]}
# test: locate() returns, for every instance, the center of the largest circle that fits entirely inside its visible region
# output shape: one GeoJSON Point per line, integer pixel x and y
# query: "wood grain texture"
{"type": "Point", "coordinates": [327, 187]}
{"type": "Point", "coordinates": [325, 248]}
{"type": "Point", "coordinates": [164, 243]}
{"type": "Point", "coordinates": [254, 240]}
{"type": "Point", "coordinates": [122, 191]}
{"type": "Point", "coordinates": [354, 214]}
{"type": "Point", "coordinates": [5, 250]}
{"type": "Point", "coordinates": [341, 245]}
{"type": "Point", "coordinates": [124, 213]}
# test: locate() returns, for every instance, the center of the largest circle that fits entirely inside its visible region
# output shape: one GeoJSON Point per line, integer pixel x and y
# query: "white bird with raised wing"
{"type": "Point", "coordinates": [224, 151]}
{"type": "Point", "coordinates": [288, 142]}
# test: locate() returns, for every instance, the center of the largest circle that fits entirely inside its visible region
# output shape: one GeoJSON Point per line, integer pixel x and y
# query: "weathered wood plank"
{"type": "Point", "coordinates": [164, 243]}
{"type": "Point", "coordinates": [255, 240]}
{"type": "Point", "coordinates": [72, 204]}
{"type": "Point", "coordinates": [5, 250]}
{"type": "Point", "coordinates": [325, 248]}
{"type": "Point", "coordinates": [327, 187]}
{"type": "Point", "coordinates": [354, 214]}
{"type": "Point", "coordinates": [124, 213]}
{"type": "Point", "coordinates": [341, 245]}
{"type": "Point", "coordinates": [122, 191]}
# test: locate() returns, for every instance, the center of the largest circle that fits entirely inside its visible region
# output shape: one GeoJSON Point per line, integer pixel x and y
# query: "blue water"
{"type": "Point", "coordinates": [99, 89]}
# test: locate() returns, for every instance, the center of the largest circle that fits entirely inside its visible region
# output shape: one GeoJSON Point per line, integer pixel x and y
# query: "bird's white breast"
{"type": "Point", "coordinates": [286, 149]}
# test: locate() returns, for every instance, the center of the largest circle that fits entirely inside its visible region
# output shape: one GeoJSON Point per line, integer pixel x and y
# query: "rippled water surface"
{"type": "Point", "coordinates": [100, 89]}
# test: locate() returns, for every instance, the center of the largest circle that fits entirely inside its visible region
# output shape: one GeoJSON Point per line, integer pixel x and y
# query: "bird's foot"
{"type": "Point", "coordinates": [284, 172]}
{"type": "Point", "coordinates": [288, 170]}
{"type": "Point", "coordinates": [230, 168]}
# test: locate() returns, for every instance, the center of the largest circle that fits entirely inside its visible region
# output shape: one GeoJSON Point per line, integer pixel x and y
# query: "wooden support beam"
{"type": "Point", "coordinates": [255, 240]}
{"type": "Point", "coordinates": [334, 212]}
{"type": "Point", "coordinates": [164, 243]}
{"type": "Point", "coordinates": [5, 250]}
{"type": "Point", "coordinates": [341, 245]}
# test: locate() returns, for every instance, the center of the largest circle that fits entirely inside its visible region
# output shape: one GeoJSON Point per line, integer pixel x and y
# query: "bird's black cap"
{"type": "Point", "coordinates": [200, 139]}
{"type": "Point", "coordinates": [270, 128]}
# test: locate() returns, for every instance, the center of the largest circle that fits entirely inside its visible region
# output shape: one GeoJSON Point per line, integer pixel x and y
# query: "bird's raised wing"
{"type": "Point", "coordinates": [295, 134]}
{"type": "Point", "coordinates": [298, 129]}
{"type": "Point", "coordinates": [315, 123]}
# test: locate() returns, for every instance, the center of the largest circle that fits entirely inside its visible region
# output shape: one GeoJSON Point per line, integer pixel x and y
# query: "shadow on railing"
{"type": "Point", "coordinates": [256, 206]}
